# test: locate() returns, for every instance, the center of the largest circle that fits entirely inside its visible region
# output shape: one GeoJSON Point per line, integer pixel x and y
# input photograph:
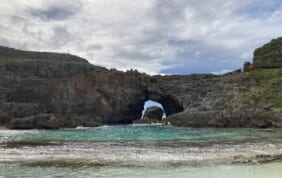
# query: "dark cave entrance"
{"type": "Point", "coordinates": [151, 103]}
{"type": "Point", "coordinates": [135, 111]}
{"type": "Point", "coordinates": [168, 104]}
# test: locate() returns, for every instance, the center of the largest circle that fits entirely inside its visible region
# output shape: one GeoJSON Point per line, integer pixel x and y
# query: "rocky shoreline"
{"type": "Point", "coordinates": [51, 91]}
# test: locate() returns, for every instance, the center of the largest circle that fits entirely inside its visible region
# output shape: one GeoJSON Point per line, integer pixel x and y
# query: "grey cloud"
{"type": "Point", "coordinates": [61, 36]}
{"type": "Point", "coordinates": [5, 42]}
{"type": "Point", "coordinates": [95, 47]}
{"type": "Point", "coordinates": [55, 10]}
{"type": "Point", "coordinates": [133, 54]}
{"type": "Point", "coordinates": [155, 34]}
{"type": "Point", "coordinates": [167, 11]}
{"type": "Point", "coordinates": [53, 13]}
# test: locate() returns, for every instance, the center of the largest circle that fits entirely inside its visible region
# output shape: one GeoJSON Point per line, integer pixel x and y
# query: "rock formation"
{"type": "Point", "coordinates": [152, 115]}
{"type": "Point", "coordinates": [270, 55]}
{"type": "Point", "coordinates": [49, 91]}
{"type": "Point", "coordinates": [153, 112]}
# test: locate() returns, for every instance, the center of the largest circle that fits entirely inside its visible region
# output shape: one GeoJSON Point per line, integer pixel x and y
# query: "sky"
{"type": "Point", "coordinates": [152, 36]}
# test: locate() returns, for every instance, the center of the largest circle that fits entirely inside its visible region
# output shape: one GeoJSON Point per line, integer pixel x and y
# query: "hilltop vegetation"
{"type": "Point", "coordinates": [269, 55]}
{"type": "Point", "coordinates": [13, 55]}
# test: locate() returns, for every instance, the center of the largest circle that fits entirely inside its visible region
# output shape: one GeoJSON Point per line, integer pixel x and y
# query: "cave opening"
{"type": "Point", "coordinates": [151, 103]}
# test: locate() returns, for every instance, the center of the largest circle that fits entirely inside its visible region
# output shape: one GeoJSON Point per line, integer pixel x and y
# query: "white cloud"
{"type": "Point", "coordinates": [153, 36]}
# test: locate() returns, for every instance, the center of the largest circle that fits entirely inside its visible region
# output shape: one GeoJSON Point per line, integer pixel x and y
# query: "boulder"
{"type": "Point", "coordinates": [153, 113]}
{"type": "Point", "coordinates": [248, 67]}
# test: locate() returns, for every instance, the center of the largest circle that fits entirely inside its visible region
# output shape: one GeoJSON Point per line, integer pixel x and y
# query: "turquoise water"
{"type": "Point", "coordinates": [145, 133]}
{"type": "Point", "coordinates": [141, 151]}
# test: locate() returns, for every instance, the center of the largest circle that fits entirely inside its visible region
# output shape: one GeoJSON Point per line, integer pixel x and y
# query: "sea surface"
{"type": "Point", "coordinates": [141, 151]}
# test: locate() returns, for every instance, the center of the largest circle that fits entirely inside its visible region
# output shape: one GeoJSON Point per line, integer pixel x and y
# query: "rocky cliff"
{"type": "Point", "coordinates": [49, 91]}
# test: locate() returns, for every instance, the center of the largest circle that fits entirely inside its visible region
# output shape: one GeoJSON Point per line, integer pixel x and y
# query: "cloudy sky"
{"type": "Point", "coordinates": [153, 36]}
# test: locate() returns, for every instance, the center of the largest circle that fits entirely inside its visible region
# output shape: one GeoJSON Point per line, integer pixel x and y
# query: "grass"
{"type": "Point", "coordinates": [9, 60]}
{"type": "Point", "coordinates": [227, 107]}
{"type": "Point", "coordinates": [268, 48]}
{"type": "Point", "coordinates": [268, 89]}
{"type": "Point", "coordinates": [269, 56]}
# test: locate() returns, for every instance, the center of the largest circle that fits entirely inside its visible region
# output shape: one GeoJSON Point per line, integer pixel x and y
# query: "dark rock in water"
{"type": "Point", "coordinates": [154, 112]}
{"type": "Point", "coordinates": [50, 91]}
{"type": "Point", "coordinates": [152, 115]}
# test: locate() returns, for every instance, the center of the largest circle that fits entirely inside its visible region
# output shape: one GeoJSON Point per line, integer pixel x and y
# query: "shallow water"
{"type": "Point", "coordinates": [141, 151]}
{"type": "Point", "coordinates": [272, 170]}
{"type": "Point", "coordinates": [141, 133]}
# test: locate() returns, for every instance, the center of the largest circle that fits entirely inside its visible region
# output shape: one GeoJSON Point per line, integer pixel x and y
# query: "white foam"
{"type": "Point", "coordinates": [138, 153]}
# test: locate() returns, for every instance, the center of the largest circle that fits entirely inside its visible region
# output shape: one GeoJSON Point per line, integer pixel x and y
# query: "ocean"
{"type": "Point", "coordinates": [141, 151]}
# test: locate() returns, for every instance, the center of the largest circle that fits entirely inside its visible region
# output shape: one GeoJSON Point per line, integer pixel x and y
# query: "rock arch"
{"type": "Point", "coordinates": [170, 104]}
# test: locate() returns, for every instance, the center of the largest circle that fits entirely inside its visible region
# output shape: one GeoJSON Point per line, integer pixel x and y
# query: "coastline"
{"type": "Point", "coordinates": [3, 128]}
{"type": "Point", "coordinates": [208, 171]}
{"type": "Point", "coordinates": [165, 150]}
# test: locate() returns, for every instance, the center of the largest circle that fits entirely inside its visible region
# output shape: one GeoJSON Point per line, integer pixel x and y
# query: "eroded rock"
{"type": "Point", "coordinates": [154, 112]}
{"type": "Point", "coordinates": [152, 115]}
{"type": "Point", "coordinates": [48, 90]}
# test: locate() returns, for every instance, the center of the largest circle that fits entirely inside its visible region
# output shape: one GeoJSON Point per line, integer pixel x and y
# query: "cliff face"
{"type": "Point", "coordinates": [250, 99]}
{"type": "Point", "coordinates": [47, 90]}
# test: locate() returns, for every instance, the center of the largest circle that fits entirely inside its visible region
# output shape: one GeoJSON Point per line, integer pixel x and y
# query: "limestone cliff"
{"type": "Point", "coordinates": [48, 90]}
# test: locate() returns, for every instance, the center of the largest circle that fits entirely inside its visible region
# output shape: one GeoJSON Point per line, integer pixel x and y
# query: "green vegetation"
{"type": "Point", "coordinates": [268, 89]}
{"type": "Point", "coordinates": [268, 48]}
{"type": "Point", "coordinates": [227, 107]}
{"type": "Point", "coordinates": [4, 60]}
{"type": "Point", "coordinates": [19, 55]}
{"type": "Point", "coordinates": [270, 55]}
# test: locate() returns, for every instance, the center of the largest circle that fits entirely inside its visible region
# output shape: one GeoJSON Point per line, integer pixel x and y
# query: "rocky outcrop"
{"type": "Point", "coordinates": [270, 55]}
{"type": "Point", "coordinates": [153, 113]}
{"type": "Point", "coordinates": [248, 67]}
{"type": "Point", "coordinates": [49, 91]}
